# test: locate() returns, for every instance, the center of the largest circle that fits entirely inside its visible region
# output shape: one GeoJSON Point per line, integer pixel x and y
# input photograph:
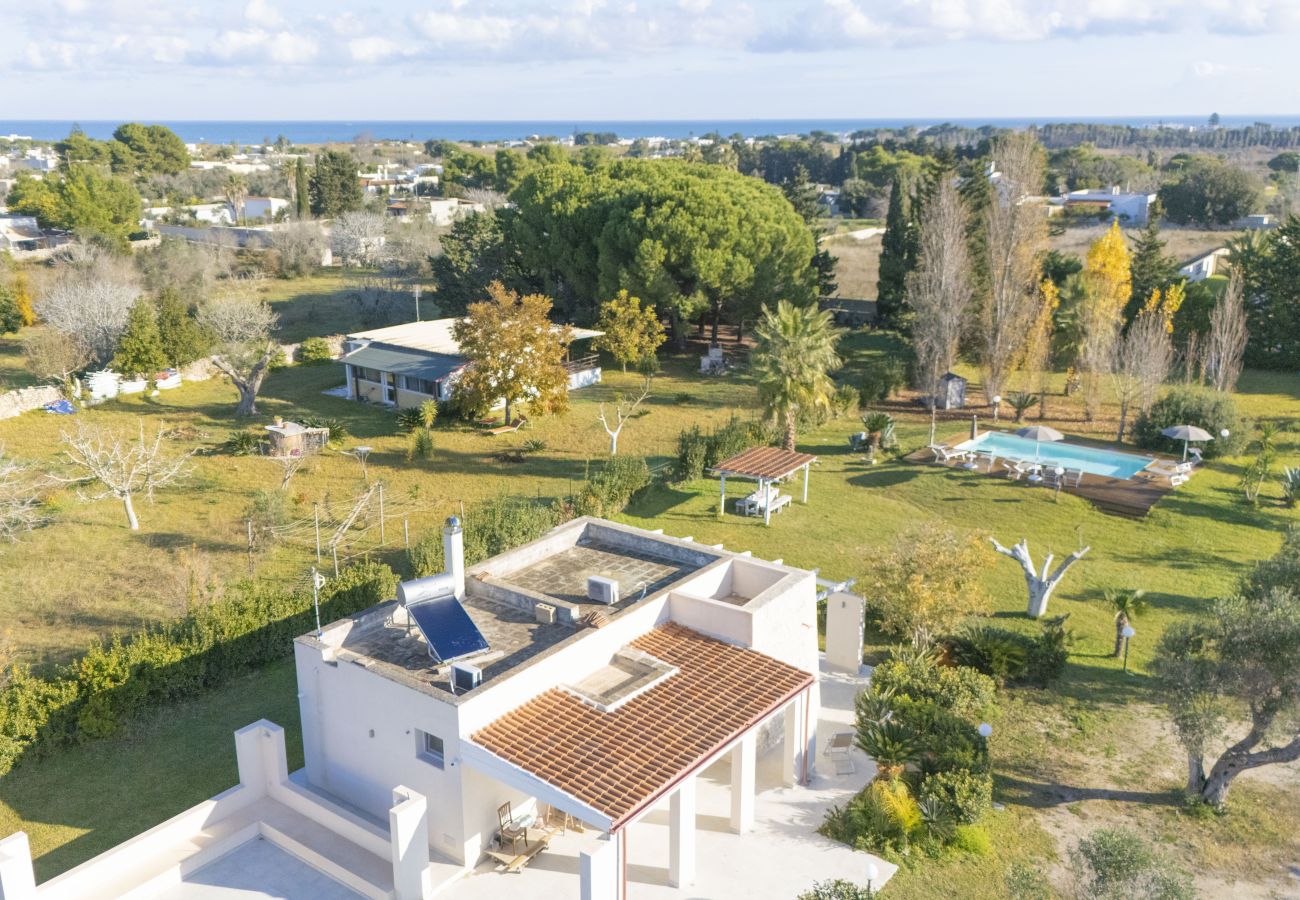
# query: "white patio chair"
{"type": "Point", "coordinates": [945, 454]}
{"type": "Point", "coordinates": [1015, 469]}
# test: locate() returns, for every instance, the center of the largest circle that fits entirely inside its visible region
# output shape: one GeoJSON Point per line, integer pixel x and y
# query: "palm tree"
{"type": "Point", "coordinates": [794, 355]}
{"type": "Point", "coordinates": [235, 191]}
{"type": "Point", "coordinates": [876, 423]}
{"type": "Point", "coordinates": [1128, 605]}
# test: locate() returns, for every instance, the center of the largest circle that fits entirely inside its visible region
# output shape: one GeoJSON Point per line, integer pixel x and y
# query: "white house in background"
{"type": "Point", "coordinates": [21, 233]}
{"type": "Point", "coordinates": [588, 697]}
{"type": "Point", "coordinates": [405, 365]}
{"type": "Point", "coordinates": [1133, 208]}
{"type": "Point", "coordinates": [1202, 267]}
{"type": "Point", "coordinates": [265, 208]}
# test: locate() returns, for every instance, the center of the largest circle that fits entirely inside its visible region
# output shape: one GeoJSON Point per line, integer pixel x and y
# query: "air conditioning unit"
{"type": "Point", "coordinates": [465, 677]}
{"type": "Point", "coordinates": [545, 613]}
{"type": "Point", "coordinates": [602, 590]}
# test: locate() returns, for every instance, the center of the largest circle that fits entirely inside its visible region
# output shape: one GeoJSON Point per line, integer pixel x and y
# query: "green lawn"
{"type": "Point", "coordinates": [1095, 749]}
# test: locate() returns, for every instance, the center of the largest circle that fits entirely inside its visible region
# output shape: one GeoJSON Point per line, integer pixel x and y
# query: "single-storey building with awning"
{"type": "Point", "coordinates": [405, 365]}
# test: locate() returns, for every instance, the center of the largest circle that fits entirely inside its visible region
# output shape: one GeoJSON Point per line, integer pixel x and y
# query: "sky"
{"type": "Point", "coordinates": [645, 59]}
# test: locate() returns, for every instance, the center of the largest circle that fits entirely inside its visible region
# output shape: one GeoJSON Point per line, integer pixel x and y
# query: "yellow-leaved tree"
{"type": "Point", "coordinates": [632, 332]}
{"type": "Point", "coordinates": [515, 353]}
{"type": "Point", "coordinates": [1108, 283]}
{"type": "Point", "coordinates": [927, 583]}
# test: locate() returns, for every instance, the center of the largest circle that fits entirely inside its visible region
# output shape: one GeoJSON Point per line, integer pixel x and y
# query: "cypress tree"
{"type": "Point", "coordinates": [1151, 268]}
{"type": "Point", "coordinates": [302, 195]}
{"type": "Point", "coordinates": [897, 253]}
{"type": "Point", "coordinates": [140, 350]}
{"type": "Point", "coordinates": [183, 340]}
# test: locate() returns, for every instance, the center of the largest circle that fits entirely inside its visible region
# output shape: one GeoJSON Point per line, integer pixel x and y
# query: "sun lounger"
{"type": "Point", "coordinates": [945, 454]}
{"type": "Point", "coordinates": [1015, 469]}
{"type": "Point", "coordinates": [507, 429]}
{"type": "Point", "coordinates": [1171, 470]}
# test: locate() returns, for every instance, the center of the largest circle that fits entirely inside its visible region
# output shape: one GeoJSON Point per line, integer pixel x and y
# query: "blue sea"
{"type": "Point", "coordinates": [317, 132]}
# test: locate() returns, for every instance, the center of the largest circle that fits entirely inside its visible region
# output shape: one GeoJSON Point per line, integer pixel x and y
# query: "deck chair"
{"type": "Point", "coordinates": [1072, 477]}
{"type": "Point", "coordinates": [511, 831]}
{"type": "Point", "coordinates": [945, 455]}
{"type": "Point", "coordinates": [1176, 472]}
{"type": "Point", "coordinates": [1197, 457]}
{"type": "Point", "coordinates": [1015, 470]}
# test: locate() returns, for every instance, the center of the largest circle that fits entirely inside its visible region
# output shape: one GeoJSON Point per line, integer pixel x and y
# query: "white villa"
{"type": "Point", "coordinates": [405, 365]}
{"type": "Point", "coordinates": [1133, 208]}
{"type": "Point", "coordinates": [603, 713]}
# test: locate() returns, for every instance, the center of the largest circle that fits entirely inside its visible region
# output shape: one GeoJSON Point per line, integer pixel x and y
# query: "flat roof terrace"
{"type": "Point", "coordinates": [564, 575]}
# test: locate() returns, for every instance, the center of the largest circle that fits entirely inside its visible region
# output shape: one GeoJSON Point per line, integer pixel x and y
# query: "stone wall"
{"type": "Point", "coordinates": [15, 403]}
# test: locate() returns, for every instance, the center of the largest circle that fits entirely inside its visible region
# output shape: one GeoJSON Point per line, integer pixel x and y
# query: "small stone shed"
{"type": "Point", "coordinates": [291, 439]}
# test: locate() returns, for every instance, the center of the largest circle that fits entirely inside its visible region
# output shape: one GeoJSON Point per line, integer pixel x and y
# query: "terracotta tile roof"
{"type": "Point", "coordinates": [617, 761]}
{"type": "Point", "coordinates": [764, 462]}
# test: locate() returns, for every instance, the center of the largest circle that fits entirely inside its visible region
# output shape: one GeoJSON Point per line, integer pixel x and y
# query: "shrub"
{"type": "Point", "coordinates": [996, 652]}
{"type": "Point", "coordinates": [838, 889]}
{"type": "Point", "coordinates": [278, 360]}
{"type": "Point", "coordinates": [881, 379]}
{"type": "Point", "coordinates": [967, 795]}
{"type": "Point", "coordinates": [409, 419]}
{"type": "Point", "coordinates": [421, 445]}
{"type": "Point", "coordinates": [972, 839]}
{"type": "Point", "coordinates": [338, 429]}
{"type": "Point", "coordinates": [1049, 653]}
{"type": "Point", "coordinates": [314, 351]}
{"type": "Point", "coordinates": [243, 443]}
{"type": "Point", "coordinates": [845, 401]}
{"type": "Point", "coordinates": [1117, 863]}
{"type": "Point", "coordinates": [918, 677]}
{"type": "Point", "coordinates": [697, 451]}
{"type": "Point", "coordinates": [1024, 882]}
{"type": "Point", "coordinates": [1211, 410]}
{"type": "Point", "coordinates": [534, 445]}
{"type": "Point", "coordinates": [490, 528]}
{"type": "Point", "coordinates": [116, 681]}
{"type": "Point", "coordinates": [608, 491]}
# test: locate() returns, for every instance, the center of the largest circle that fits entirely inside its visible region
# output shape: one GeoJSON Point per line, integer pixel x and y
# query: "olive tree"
{"type": "Point", "coordinates": [20, 499]}
{"type": "Point", "coordinates": [90, 303]}
{"type": "Point", "coordinates": [1243, 661]}
{"type": "Point", "coordinates": [240, 323]}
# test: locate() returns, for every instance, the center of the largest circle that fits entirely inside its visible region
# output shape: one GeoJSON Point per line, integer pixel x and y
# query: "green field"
{"type": "Point", "coordinates": [1094, 749]}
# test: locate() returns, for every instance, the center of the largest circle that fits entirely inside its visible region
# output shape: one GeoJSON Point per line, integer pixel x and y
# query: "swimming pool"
{"type": "Point", "coordinates": [1093, 460]}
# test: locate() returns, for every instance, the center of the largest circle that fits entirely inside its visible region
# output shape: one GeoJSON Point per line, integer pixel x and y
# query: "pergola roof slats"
{"type": "Point", "coordinates": [764, 462]}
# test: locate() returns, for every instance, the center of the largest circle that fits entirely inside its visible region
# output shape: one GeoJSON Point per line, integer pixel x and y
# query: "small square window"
{"type": "Point", "coordinates": [429, 748]}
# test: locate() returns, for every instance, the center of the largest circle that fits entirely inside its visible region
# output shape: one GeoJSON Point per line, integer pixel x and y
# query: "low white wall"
{"type": "Point", "coordinates": [16, 402]}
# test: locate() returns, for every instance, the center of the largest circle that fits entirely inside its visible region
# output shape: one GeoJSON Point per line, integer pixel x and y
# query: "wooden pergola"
{"type": "Point", "coordinates": [766, 465]}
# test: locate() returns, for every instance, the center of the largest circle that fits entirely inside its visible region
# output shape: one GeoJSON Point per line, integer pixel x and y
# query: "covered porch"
{"type": "Point", "coordinates": [742, 823]}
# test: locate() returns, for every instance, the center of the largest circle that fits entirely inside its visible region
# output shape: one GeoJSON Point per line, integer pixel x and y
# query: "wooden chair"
{"type": "Point", "coordinates": [510, 830]}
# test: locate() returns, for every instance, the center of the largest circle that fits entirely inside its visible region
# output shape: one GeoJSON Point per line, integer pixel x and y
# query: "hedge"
{"type": "Point", "coordinates": [94, 696]}
{"type": "Point", "coordinates": [610, 490]}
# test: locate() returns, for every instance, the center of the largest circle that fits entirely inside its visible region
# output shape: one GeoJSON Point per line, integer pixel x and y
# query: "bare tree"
{"type": "Point", "coordinates": [1016, 239]}
{"type": "Point", "coordinates": [54, 356]}
{"type": "Point", "coordinates": [938, 290]}
{"type": "Point", "coordinates": [358, 237]}
{"type": "Point", "coordinates": [289, 464]}
{"type": "Point", "coordinates": [1226, 341]}
{"type": "Point", "coordinates": [301, 247]}
{"type": "Point", "coordinates": [1040, 584]}
{"type": "Point", "coordinates": [623, 410]}
{"type": "Point", "coordinates": [489, 199]}
{"type": "Point", "coordinates": [120, 466]}
{"type": "Point", "coordinates": [1142, 360]}
{"type": "Point", "coordinates": [20, 499]}
{"type": "Point", "coordinates": [241, 323]}
{"type": "Point", "coordinates": [90, 302]}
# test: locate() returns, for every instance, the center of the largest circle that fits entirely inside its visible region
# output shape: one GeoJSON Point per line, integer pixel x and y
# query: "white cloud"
{"type": "Point", "coordinates": [260, 12]}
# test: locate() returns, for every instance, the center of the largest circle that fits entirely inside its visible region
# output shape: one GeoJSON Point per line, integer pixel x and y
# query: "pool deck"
{"type": "Point", "coordinates": [1129, 497]}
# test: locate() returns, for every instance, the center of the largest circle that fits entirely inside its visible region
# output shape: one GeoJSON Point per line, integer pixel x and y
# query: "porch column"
{"type": "Point", "coordinates": [681, 834]}
{"type": "Point", "coordinates": [722, 508]}
{"type": "Point", "coordinates": [742, 784]}
{"type": "Point", "coordinates": [408, 826]}
{"type": "Point", "coordinates": [806, 471]}
{"type": "Point", "coordinates": [598, 870]}
{"type": "Point", "coordinates": [792, 749]}
{"type": "Point", "coordinates": [767, 501]}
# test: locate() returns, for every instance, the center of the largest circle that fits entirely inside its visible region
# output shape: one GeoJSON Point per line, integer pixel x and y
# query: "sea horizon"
{"type": "Point", "coordinates": [319, 131]}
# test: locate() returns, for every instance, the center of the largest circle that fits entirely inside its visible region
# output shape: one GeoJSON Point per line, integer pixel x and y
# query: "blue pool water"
{"type": "Point", "coordinates": [1093, 460]}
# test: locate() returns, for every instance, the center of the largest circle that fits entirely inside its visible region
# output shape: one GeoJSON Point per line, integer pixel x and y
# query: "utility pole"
{"type": "Point", "coordinates": [315, 509]}
{"type": "Point", "coordinates": [317, 579]}
{"type": "Point", "coordinates": [335, 551]}
{"type": "Point", "coordinates": [381, 513]}
{"type": "Point", "coordinates": [406, 533]}
{"type": "Point", "coordinates": [250, 546]}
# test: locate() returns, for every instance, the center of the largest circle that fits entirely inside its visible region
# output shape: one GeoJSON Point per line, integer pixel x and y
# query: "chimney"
{"type": "Point", "coordinates": [453, 554]}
